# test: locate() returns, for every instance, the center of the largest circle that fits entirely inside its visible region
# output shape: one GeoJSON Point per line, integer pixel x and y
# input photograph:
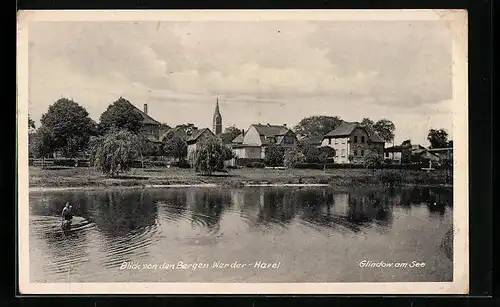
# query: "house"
{"type": "Point", "coordinates": [150, 127]}
{"type": "Point", "coordinates": [259, 137]}
{"type": "Point", "coordinates": [194, 140]}
{"type": "Point", "coordinates": [352, 141]}
{"type": "Point", "coordinates": [182, 131]}
{"type": "Point", "coordinates": [443, 153]}
{"type": "Point", "coordinates": [401, 153]}
{"type": "Point", "coordinates": [394, 153]}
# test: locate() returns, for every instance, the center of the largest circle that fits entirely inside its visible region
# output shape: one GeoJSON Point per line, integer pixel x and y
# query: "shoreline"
{"type": "Point", "coordinates": [87, 179]}
{"type": "Point", "coordinates": [35, 189]}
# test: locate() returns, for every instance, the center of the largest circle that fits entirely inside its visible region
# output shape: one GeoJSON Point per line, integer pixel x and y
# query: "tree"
{"type": "Point", "coordinates": [294, 157]}
{"type": "Point", "coordinates": [450, 143]}
{"type": "Point", "coordinates": [175, 146]}
{"type": "Point", "coordinates": [274, 155]}
{"type": "Point", "coordinates": [69, 125]}
{"type": "Point", "coordinates": [227, 153]}
{"type": "Point", "coordinates": [372, 160]}
{"type": "Point", "coordinates": [114, 152]}
{"type": "Point", "coordinates": [438, 138]}
{"type": "Point", "coordinates": [31, 123]}
{"type": "Point", "coordinates": [385, 129]}
{"type": "Point", "coordinates": [326, 154]}
{"type": "Point", "coordinates": [311, 153]}
{"type": "Point", "coordinates": [42, 144]}
{"type": "Point", "coordinates": [317, 125]}
{"type": "Point", "coordinates": [229, 134]}
{"type": "Point", "coordinates": [367, 122]}
{"type": "Point", "coordinates": [209, 156]}
{"type": "Point", "coordinates": [121, 114]}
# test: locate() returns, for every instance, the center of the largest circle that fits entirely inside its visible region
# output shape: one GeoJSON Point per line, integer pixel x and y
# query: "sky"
{"type": "Point", "coordinates": [274, 72]}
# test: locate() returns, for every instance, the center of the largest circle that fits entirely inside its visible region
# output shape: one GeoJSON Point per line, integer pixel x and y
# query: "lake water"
{"type": "Point", "coordinates": [304, 234]}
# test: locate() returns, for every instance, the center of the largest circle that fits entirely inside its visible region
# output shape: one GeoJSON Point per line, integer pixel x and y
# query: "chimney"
{"type": "Point", "coordinates": [146, 108]}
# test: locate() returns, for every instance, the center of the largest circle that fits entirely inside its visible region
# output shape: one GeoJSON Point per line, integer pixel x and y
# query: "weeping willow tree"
{"type": "Point", "coordinates": [209, 156]}
{"type": "Point", "coordinates": [114, 152]}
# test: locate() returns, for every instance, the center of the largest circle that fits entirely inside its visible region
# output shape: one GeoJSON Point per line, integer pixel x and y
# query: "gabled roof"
{"type": "Point", "coordinates": [180, 132]}
{"type": "Point", "coordinates": [238, 139]}
{"type": "Point", "coordinates": [276, 131]}
{"type": "Point", "coordinates": [271, 130]}
{"type": "Point", "coordinates": [197, 133]}
{"type": "Point", "coordinates": [146, 119]}
{"type": "Point", "coordinates": [346, 129]}
{"type": "Point", "coordinates": [372, 135]}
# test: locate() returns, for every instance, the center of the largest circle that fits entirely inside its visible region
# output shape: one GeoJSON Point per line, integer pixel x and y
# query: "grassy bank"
{"type": "Point", "coordinates": [88, 177]}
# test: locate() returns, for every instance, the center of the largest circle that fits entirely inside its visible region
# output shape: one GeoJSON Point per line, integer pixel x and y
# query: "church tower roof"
{"type": "Point", "coordinates": [217, 119]}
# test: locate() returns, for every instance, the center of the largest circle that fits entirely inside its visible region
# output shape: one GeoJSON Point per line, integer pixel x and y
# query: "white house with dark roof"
{"type": "Point", "coordinates": [353, 140]}
{"type": "Point", "coordinates": [258, 137]}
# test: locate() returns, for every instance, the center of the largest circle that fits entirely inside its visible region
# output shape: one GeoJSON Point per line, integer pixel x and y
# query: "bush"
{"type": "Point", "coordinates": [256, 165]}
{"type": "Point", "coordinates": [392, 178]}
{"type": "Point", "coordinates": [294, 157]}
{"type": "Point", "coordinates": [274, 156]}
{"type": "Point", "coordinates": [182, 164]}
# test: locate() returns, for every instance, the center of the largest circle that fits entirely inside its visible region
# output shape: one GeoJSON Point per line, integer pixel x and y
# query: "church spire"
{"type": "Point", "coordinates": [217, 120]}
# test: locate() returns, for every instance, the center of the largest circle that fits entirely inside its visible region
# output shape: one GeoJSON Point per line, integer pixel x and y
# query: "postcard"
{"type": "Point", "coordinates": [243, 152]}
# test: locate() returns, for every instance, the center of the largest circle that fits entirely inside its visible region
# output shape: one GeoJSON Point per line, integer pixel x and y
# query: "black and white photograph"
{"type": "Point", "coordinates": [243, 152]}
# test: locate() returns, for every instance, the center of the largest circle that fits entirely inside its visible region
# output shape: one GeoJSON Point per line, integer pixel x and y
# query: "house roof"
{"type": "Point", "coordinates": [346, 129]}
{"type": "Point", "coordinates": [146, 119]}
{"type": "Point", "coordinates": [276, 131]}
{"type": "Point", "coordinates": [197, 133]}
{"type": "Point", "coordinates": [397, 148]}
{"type": "Point", "coordinates": [238, 139]}
{"type": "Point", "coordinates": [180, 132]}
{"type": "Point", "coordinates": [271, 130]}
{"type": "Point", "coordinates": [437, 150]}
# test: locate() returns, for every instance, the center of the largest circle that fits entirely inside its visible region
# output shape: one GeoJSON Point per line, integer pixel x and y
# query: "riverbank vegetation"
{"type": "Point", "coordinates": [90, 177]}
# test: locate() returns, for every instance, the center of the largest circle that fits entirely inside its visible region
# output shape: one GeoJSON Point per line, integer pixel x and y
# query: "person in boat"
{"type": "Point", "coordinates": [67, 215]}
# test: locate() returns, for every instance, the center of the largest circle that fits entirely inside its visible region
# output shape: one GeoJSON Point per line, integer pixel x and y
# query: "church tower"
{"type": "Point", "coordinates": [217, 120]}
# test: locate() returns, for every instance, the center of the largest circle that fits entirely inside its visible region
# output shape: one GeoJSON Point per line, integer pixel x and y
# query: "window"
{"type": "Point", "coordinates": [387, 155]}
{"type": "Point", "coordinates": [362, 152]}
{"type": "Point", "coordinates": [362, 139]}
{"type": "Point", "coordinates": [355, 153]}
{"type": "Point", "coordinates": [343, 153]}
{"type": "Point", "coordinates": [336, 141]}
{"type": "Point", "coordinates": [355, 139]}
{"type": "Point", "coordinates": [343, 141]}
{"type": "Point", "coordinates": [329, 141]}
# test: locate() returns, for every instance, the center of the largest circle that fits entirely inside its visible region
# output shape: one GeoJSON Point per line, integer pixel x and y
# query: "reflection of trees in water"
{"type": "Point", "coordinates": [52, 203]}
{"type": "Point", "coordinates": [119, 212]}
{"type": "Point", "coordinates": [277, 206]}
{"type": "Point", "coordinates": [372, 206]}
{"type": "Point", "coordinates": [173, 203]}
{"type": "Point", "coordinates": [435, 198]}
{"type": "Point", "coordinates": [207, 206]}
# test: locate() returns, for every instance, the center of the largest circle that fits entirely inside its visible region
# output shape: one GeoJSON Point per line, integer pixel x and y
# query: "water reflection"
{"type": "Point", "coordinates": [135, 225]}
